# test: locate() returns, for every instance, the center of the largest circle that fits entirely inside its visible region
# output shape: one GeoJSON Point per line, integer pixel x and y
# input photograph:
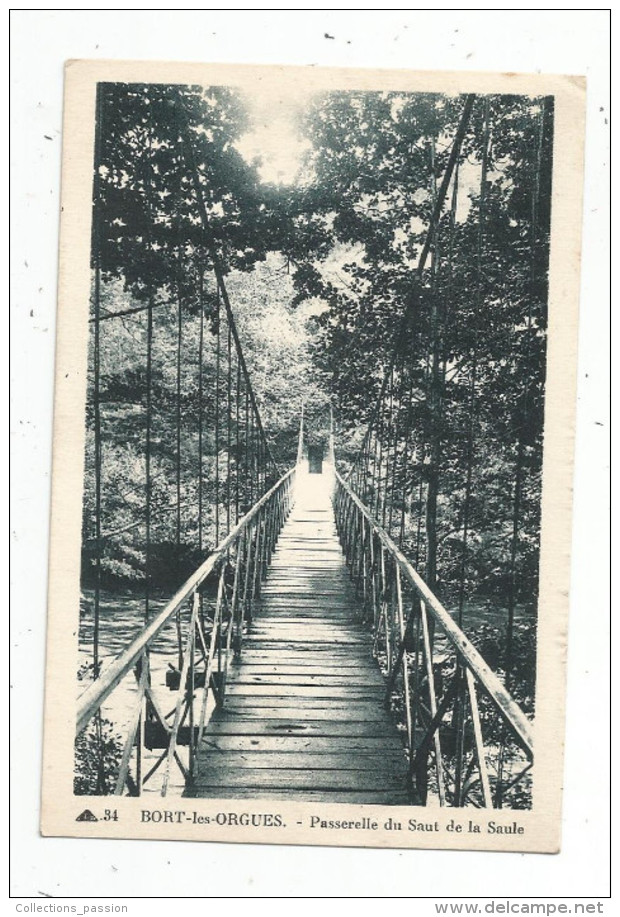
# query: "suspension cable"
{"type": "Point", "coordinates": [459, 715]}
{"type": "Point", "coordinates": [148, 190]}
{"type": "Point", "coordinates": [179, 349]}
{"type": "Point", "coordinates": [478, 299]}
{"type": "Point", "coordinates": [237, 439]}
{"type": "Point", "coordinates": [201, 338]}
{"type": "Point", "coordinates": [96, 244]}
{"type": "Point", "coordinates": [219, 274]}
{"type": "Point", "coordinates": [518, 488]}
{"type": "Point", "coordinates": [218, 350]}
{"type": "Point", "coordinates": [228, 423]}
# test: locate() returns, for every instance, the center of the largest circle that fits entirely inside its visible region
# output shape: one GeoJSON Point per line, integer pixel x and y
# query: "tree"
{"type": "Point", "coordinates": [475, 354]}
{"type": "Point", "coordinates": [342, 249]}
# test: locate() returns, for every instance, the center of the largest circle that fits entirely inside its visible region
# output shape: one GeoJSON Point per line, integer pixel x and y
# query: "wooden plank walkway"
{"type": "Point", "coordinates": [304, 717]}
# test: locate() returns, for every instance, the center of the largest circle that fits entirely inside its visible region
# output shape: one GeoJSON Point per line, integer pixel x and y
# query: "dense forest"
{"type": "Point", "coordinates": [323, 279]}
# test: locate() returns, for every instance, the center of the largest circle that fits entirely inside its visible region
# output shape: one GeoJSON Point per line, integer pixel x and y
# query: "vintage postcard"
{"type": "Point", "coordinates": [314, 417]}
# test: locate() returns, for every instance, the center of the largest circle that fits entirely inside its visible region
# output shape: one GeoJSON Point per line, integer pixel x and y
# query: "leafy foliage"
{"type": "Point", "coordinates": [476, 340]}
{"type": "Point", "coordinates": [98, 752]}
{"type": "Point", "coordinates": [320, 275]}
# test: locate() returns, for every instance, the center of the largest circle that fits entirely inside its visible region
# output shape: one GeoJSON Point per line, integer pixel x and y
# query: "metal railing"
{"type": "Point", "coordinates": [213, 608]}
{"type": "Point", "coordinates": [467, 739]}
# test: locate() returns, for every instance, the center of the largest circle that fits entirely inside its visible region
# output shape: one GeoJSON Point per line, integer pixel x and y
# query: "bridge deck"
{"type": "Point", "coordinates": [304, 716]}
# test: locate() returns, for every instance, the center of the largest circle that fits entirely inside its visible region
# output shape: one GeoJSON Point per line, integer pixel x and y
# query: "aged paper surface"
{"type": "Point", "coordinates": [244, 815]}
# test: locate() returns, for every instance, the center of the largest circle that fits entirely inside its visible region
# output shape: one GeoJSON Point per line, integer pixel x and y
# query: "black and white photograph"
{"type": "Point", "coordinates": [299, 530]}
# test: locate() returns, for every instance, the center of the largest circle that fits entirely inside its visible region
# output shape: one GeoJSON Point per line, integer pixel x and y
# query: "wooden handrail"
{"type": "Point", "coordinates": [90, 701]}
{"type": "Point", "coordinates": [506, 705]}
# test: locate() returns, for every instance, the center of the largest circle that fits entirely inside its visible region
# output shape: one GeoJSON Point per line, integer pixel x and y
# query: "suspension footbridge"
{"type": "Point", "coordinates": [305, 714]}
{"type": "Point", "coordinates": [312, 658]}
